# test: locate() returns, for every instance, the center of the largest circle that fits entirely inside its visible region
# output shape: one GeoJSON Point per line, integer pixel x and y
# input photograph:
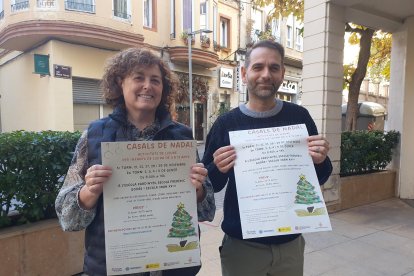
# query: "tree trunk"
{"type": "Point", "coordinates": [357, 78]}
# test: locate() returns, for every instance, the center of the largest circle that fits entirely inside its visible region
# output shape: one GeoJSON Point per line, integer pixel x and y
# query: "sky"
{"type": "Point", "coordinates": [350, 51]}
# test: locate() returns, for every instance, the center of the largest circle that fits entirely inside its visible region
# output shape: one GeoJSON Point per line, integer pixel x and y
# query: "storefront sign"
{"type": "Point", "coordinates": [226, 78]}
{"type": "Point", "coordinates": [61, 71]}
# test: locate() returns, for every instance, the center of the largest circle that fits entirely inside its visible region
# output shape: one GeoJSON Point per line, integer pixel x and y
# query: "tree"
{"type": "Point", "coordinates": [359, 74]}
{"type": "Point", "coordinates": [367, 38]}
{"type": "Point", "coordinates": [283, 8]}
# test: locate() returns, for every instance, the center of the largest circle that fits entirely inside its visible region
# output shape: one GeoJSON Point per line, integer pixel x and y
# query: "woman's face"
{"type": "Point", "coordinates": [142, 90]}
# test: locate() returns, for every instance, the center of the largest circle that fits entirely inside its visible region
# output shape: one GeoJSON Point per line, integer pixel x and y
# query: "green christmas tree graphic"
{"type": "Point", "coordinates": [182, 226]}
{"type": "Point", "coordinates": [305, 193]}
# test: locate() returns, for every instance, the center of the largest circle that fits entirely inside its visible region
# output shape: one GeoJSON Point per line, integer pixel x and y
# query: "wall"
{"type": "Point", "coordinates": [400, 111]}
{"type": "Point", "coordinates": [46, 101]}
{"type": "Point", "coordinates": [322, 79]}
{"type": "Point", "coordinates": [41, 248]}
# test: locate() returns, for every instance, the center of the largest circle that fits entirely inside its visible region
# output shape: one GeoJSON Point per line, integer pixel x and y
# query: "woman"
{"type": "Point", "coordinates": [141, 89]}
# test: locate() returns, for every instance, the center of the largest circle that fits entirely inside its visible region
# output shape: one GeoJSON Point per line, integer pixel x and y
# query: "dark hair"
{"type": "Point", "coordinates": [125, 63]}
{"type": "Point", "coordinates": [265, 44]}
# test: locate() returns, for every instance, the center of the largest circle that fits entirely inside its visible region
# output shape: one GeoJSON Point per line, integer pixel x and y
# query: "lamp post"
{"type": "Point", "coordinates": [190, 74]}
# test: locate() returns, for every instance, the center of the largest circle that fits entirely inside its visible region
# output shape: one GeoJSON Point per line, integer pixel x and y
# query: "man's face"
{"type": "Point", "coordinates": [265, 73]}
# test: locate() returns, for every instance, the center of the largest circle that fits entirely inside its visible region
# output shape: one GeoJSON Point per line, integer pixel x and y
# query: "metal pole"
{"type": "Point", "coordinates": [190, 82]}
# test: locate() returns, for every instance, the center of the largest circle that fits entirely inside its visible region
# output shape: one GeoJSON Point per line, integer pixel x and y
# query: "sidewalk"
{"type": "Point", "coordinates": [370, 240]}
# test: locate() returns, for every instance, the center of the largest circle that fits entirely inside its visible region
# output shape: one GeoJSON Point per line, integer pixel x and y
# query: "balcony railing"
{"type": "Point", "coordinates": [122, 15]}
{"type": "Point", "coordinates": [76, 6]}
{"type": "Point", "coordinates": [46, 4]}
{"type": "Point", "coordinates": [20, 6]}
{"type": "Point", "coordinates": [1, 15]}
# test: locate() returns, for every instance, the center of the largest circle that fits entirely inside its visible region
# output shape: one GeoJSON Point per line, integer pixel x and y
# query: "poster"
{"type": "Point", "coordinates": [277, 187]}
{"type": "Point", "coordinates": [150, 206]}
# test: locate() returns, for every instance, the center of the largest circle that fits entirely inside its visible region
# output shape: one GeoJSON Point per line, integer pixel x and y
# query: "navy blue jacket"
{"type": "Point", "coordinates": [114, 129]}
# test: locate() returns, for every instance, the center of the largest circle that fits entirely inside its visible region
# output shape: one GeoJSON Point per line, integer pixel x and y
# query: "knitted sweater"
{"type": "Point", "coordinates": [241, 118]}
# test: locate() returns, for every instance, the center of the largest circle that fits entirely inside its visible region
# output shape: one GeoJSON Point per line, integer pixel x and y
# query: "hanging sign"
{"type": "Point", "coordinates": [226, 78]}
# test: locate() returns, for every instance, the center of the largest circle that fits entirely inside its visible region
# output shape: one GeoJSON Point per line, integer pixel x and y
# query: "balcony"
{"type": "Point", "coordinates": [122, 15]}
{"type": "Point", "coordinates": [21, 6]}
{"type": "Point", "coordinates": [200, 57]}
{"type": "Point", "coordinates": [30, 23]}
{"type": "Point", "coordinates": [79, 6]}
{"type": "Point", "coordinates": [46, 4]}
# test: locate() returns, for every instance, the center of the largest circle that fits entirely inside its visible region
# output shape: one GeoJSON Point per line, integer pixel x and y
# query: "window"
{"type": "Point", "coordinates": [1, 10]}
{"type": "Point", "coordinates": [122, 9]}
{"type": "Point", "coordinates": [46, 4]}
{"type": "Point", "coordinates": [149, 14]}
{"type": "Point", "coordinates": [299, 40]}
{"type": "Point", "coordinates": [257, 28]}
{"type": "Point", "coordinates": [203, 7]}
{"type": "Point", "coordinates": [289, 37]}
{"type": "Point", "coordinates": [215, 22]}
{"type": "Point", "coordinates": [18, 5]}
{"type": "Point", "coordinates": [224, 32]}
{"type": "Point", "coordinates": [172, 25]}
{"type": "Point", "coordinates": [276, 29]}
{"type": "Point", "coordinates": [80, 5]}
{"type": "Point", "coordinates": [203, 15]}
{"type": "Point", "coordinates": [187, 15]}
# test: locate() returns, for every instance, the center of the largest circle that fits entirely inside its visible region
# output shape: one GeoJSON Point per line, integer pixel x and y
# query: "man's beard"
{"type": "Point", "coordinates": [264, 93]}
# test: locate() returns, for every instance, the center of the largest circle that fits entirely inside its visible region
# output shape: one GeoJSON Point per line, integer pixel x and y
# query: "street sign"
{"type": "Point", "coordinates": [61, 71]}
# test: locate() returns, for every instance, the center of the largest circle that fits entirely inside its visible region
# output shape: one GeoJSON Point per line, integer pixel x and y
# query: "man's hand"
{"type": "Point", "coordinates": [318, 148]}
{"type": "Point", "coordinates": [224, 158]}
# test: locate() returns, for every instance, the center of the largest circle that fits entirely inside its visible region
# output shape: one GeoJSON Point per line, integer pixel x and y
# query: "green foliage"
{"type": "Point", "coordinates": [266, 35]}
{"type": "Point", "coordinates": [223, 108]}
{"type": "Point", "coordinates": [349, 69]}
{"type": "Point", "coordinates": [366, 151]}
{"type": "Point", "coordinates": [32, 169]}
{"type": "Point", "coordinates": [283, 8]}
{"type": "Point", "coordinates": [380, 58]}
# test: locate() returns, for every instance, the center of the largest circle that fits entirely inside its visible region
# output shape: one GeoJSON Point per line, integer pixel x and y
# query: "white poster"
{"type": "Point", "coordinates": [277, 186]}
{"type": "Point", "coordinates": [150, 206]}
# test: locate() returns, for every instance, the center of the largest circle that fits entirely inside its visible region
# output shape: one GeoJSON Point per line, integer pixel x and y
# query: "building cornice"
{"type": "Point", "coordinates": [26, 34]}
{"type": "Point", "coordinates": [293, 62]}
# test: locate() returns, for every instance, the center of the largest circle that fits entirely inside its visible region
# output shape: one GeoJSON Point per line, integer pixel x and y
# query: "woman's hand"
{"type": "Point", "coordinates": [198, 175]}
{"type": "Point", "coordinates": [95, 178]}
{"type": "Point", "coordinates": [318, 148]}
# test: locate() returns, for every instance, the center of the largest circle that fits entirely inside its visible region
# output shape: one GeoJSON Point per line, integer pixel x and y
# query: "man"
{"type": "Point", "coordinates": [263, 74]}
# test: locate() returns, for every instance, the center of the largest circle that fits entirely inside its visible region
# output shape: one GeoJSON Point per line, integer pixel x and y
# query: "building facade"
{"type": "Point", "coordinates": [52, 55]}
{"type": "Point", "coordinates": [256, 24]}
{"type": "Point", "coordinates": [323, 76]}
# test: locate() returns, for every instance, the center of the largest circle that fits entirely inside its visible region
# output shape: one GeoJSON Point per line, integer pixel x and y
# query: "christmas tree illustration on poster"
{"type": "Point", "coordinates": [306, 195]}
{"type": "Point", "coordinates": [182, 228]}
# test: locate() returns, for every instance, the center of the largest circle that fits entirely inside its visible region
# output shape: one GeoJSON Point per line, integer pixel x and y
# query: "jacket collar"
{"type": "Point", "coordinates": [120, 116]}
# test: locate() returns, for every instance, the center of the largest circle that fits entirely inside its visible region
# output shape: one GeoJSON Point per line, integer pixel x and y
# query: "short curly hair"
{"type": "Point", "coordinates": [127, 62]}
